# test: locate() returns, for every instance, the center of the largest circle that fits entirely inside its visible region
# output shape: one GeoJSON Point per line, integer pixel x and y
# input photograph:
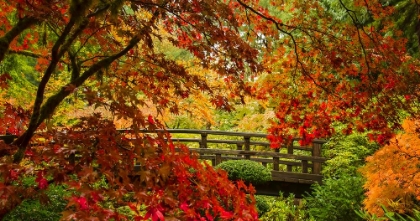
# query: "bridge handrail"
{"type": "Point", "coordinates": [237, 142]}
{"type": "Point", "coordinates": [316, 158]}
{"type": "Point", "coordinates": [213, 132]}
{"type": "Point", "coordinates": [259, 153]}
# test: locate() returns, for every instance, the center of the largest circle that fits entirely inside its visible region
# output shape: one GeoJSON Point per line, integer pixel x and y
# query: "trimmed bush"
{"type": "Point", "coordinates": [246, 170]}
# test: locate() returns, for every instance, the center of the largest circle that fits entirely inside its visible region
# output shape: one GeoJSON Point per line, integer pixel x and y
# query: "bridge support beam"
{"type": "Point", "coordinates": [273, 188]}
{"type": "Point", "coordinates": [316, 152]}
{"type": "Point", "coordinates": [247, 140]}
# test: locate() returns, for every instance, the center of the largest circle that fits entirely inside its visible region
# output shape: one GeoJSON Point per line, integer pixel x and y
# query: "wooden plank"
{"type": "Point", "coordinates": [281, 176]}
{"type": "Point", "coordinates": [265, 160]}
{"type": "Point", "coordinates": [258, 153]}
{"type": "Point", "coordinates": [207, 157]}
{"type": "Point", "coordinates": [302, 148]}
{"type": "Point", "coordinates": [260, 143]}
{"type": "Point", "coordinates": [196, 140]}
{"type": "Point", "coordinates": [225, 133]}
{"type": "Point", "coordinates": [193, 131]}
{"type": "Point", "coordinates": [306, 181]}
{"type": "Point", "coordinates": [272, 188]}
{"type": "Point", "coordinates": [212, 132]}
{"type": "Point", "coordinates": [237, 142]}
{"type": "Point", "coordinates": [291, 180]}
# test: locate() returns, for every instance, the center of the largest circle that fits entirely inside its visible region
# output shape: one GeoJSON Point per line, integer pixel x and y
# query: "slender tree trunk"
{"type": "Point", "coordinates": [418, 24]}
{"type": "Point", "coordinates": [52, 103]}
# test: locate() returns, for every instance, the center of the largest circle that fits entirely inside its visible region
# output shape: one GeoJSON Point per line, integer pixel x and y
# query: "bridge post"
{"type": "Point", "coordinates": [203, 143]}
{"type": "Point", "coordinates": [276, 161]}
{"type": "Point", "coordinates": [247, 146]}
{"type": "Point", "coordinates": [290, 151]}
{"type": "Point", "coordinates": [218, 159]}
{"type": "Point", "coordinates": [304, 166]}
{"type": "Point", "coordinates": [316, 152]}
{"type": "Point", "coordinates": [239, 147]}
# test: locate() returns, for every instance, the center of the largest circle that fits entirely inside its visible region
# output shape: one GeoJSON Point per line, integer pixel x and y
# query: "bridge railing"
{"type": "Point", "coordinates": [285, 166]}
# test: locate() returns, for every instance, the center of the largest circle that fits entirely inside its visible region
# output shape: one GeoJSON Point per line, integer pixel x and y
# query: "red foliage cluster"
{"type": "Point", "coordinates": [147, 174]}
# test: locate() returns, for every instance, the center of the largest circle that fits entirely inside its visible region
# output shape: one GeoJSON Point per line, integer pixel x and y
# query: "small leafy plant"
{"type": "Point", "coordinates": [389, 215]}
{"type": "Point", "coordinates": [285, 209]}
{"type": "Point", "coordinates": [262, 205]}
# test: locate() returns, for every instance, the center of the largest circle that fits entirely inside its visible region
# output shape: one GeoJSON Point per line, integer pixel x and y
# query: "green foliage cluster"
{"type": "Point", "coordinates": [285, 209]}
{"type": "Point", "coordinates": [34, 210]}
{"type": "Point", "coordinates": [246, 170]}
{"type": "Point", "coordinates": [405, 18]}
{"type": "Point", "coordinates": [23, 79]}
{"type": "Point", "coordinates": [251, 117]}
{"type": "Point", "coordinates": [346, 154]}
{"type": "Point", "coordinates": [341, 193]}
{"type": "Point", "coordinates": [183, 122]}
{"type": "Point", "coordinates": [337, 198]}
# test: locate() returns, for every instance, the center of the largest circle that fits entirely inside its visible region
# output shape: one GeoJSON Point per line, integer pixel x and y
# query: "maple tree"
{"type": "Point", "coordinates": [347, 64]}
{"type": "Point", "coordinates": [104, 51]}
{"type": "Point", "coordinates": [318, 70]}
{"type": "Point", "coordinates": [393, 175]}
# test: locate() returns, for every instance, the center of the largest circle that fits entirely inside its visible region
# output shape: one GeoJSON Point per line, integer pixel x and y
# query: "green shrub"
{"type": "Point", "coordinates": [284, 209]}
{"type": "Point", "coordinates": [346, 154]}
{"type": "Point", "coordinates": [337, 198]}
{"type": "Point", "coordinates": [246, 170]}
{"type": "Point", "coordinates": [341, 193]}
{"type": "Point", "coordinates": [33, 209]}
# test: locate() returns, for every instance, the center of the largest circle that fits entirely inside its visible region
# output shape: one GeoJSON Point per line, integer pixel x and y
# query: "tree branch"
{"type": "Point", "coordinates": [22, 25]}
{"type": "Point", "coordinates": [27, 53]}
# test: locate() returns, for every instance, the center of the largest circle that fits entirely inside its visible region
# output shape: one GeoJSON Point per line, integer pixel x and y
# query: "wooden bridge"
{"type": "Point", "coordinates": [293, 168]}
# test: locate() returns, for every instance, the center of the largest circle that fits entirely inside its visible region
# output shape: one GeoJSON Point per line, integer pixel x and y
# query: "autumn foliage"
{"type": "Point", "coordinates": [106, 53]}
{"type": "Point", "coordinates": [298, 58]}
{"type": "Point", "coordinates": [165, 184]}
{"type": "Point", "coordinates": [393, 173]}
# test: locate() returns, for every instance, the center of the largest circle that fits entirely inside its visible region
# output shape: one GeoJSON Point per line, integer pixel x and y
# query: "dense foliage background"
{"type": "Point", "coordinates": [73, 72]}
